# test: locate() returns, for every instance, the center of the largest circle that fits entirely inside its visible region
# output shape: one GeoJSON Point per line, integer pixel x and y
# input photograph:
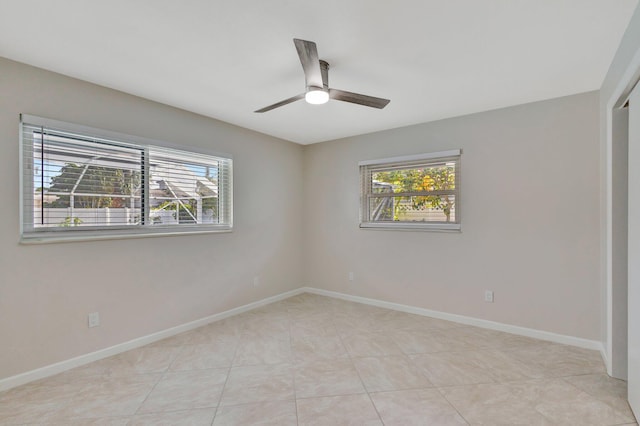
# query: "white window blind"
{"type": "Point", "coordinates": [413, 192]}
{"type": "Point", "coordinates": [184, 188]}
{"type": "Point", "coordinates": [78, 181]}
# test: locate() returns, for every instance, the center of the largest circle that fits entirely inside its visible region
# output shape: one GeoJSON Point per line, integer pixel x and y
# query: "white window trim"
{"type": "Point", "coordinates": [40, 237]}
{"type": "Point", "coordinates": [428, 156]}
{"type": "Point", "coordinates": [410, 226]}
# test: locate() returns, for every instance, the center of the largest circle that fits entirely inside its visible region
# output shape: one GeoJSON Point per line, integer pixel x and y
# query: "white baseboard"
{"type": "Point", "coordinates": [62, 366]}
{"type": "Point", "coordinates": [59, 367]}
{"type": "Point", "coordinates": [605, 358]}
{"type": "Point", "coordinates": [492, 325]}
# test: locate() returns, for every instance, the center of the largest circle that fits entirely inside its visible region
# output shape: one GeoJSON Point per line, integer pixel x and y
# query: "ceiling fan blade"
{"type": "Point", "coordinates": [281, 103]}
{"type": "Point", "coordinates": [308, 53]}
{"type": "Point", "coordinates": [356, 98]}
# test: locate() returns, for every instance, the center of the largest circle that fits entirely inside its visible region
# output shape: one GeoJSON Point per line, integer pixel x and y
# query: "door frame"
{"type": "Point", "coordinates": [617, 99]}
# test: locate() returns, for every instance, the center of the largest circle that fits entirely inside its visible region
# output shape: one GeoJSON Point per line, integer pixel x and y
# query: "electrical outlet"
{"type": "Point", "coordinates": [94, 319]}
{"type": "Point", "coordinates": [488, 296]}
{"type": "Point", "coordinates": [256, 281]}
{"type": "Point", "coordinates": [351, 276]}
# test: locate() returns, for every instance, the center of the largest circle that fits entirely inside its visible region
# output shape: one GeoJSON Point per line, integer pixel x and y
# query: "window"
{"type": "Point", "coordinates": [79, 182]}
{"type": "Point", "coordinates": [412, 192]}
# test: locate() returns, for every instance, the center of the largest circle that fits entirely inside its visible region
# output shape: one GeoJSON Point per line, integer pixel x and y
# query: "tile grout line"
{"type": "Point", "coordinates": [452, 405]}
{"type": "Point", "coordinates": [358, 373]}
{"type": "Point", "coordinates": [293, 369]}
{"type": "Point", "coordinates": [224, 386]}
{"type": "Point", "coordinates": [162, 376]}
{"type": "Point", "coordinates": [594, 396]}
{"type": "Point", "coordinates": [147, 397]}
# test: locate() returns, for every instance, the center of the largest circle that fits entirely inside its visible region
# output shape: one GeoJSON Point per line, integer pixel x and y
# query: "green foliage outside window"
{"type": "Point", "coordinates": [437, 178]}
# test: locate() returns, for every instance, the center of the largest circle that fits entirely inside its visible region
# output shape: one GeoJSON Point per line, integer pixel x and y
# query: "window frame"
{"type": "Point", "coordinates": [29, 234]}
{"type": "Point", "coordinates": [409, 161]}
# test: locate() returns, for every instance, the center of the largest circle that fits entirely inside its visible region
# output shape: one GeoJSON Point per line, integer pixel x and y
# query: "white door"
{"type": "Point", "coordinates": [634, 252]}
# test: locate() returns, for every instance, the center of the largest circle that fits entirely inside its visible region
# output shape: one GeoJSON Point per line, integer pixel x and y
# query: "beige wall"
{"type": "Point", "coordinates": [530, 219]}
{"type": "Point", "coordinates": [139, 286]}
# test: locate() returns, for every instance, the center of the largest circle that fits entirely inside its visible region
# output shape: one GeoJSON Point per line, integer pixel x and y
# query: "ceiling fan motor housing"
{"type": "Point", "coordinates": [324, 70]}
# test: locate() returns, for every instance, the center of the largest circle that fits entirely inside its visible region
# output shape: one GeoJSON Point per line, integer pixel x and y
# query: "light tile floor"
{"type": "Point", "coordinates": [312, 360]}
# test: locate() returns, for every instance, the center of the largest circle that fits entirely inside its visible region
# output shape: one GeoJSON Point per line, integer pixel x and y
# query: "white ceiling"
{"type": "Point", "coordinates": [225, 59]}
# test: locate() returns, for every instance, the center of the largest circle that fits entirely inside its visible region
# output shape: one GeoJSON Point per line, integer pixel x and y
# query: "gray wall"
{"type": "Point", "coordinates": [145, 285]}
{"type": "Point", "coordinates": [530, 219]}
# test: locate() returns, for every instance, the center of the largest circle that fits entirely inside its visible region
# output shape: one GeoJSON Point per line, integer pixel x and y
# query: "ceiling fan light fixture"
{"type": "Point", "coordinates": [316, 96]}
{"type": "Point", "coordinates": [316, 79]}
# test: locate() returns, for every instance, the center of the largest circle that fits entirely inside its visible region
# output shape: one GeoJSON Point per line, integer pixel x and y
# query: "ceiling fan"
{"type": "Point", "coordinates": [316, 75]}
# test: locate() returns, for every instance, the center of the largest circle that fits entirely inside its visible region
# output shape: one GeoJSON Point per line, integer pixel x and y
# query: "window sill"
{"type": "Point", "coordinates": [400, 226]}
{"type": "Point", "coordinates": [47, 238]}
